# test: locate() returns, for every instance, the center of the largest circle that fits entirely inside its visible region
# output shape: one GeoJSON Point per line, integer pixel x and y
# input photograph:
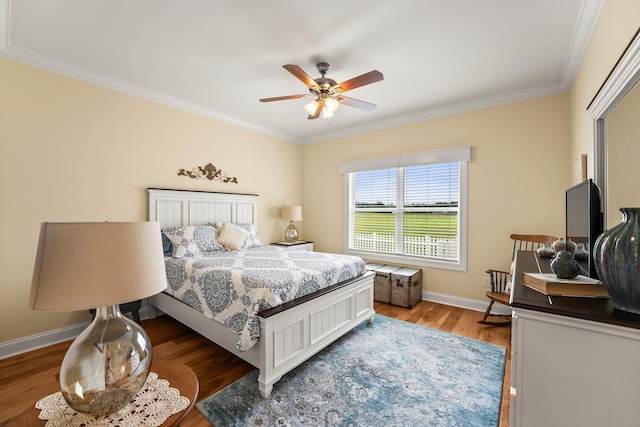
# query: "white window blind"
{"type": "Point", "coordinates": [412, 213]}
{"type": "Point", "coordinates": [375, 203]}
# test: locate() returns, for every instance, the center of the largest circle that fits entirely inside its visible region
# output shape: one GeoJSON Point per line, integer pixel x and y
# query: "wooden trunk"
{"type": "Point", "coordinates": [382, 283]}
{"type": "Point", "coordinates": [406, 287]}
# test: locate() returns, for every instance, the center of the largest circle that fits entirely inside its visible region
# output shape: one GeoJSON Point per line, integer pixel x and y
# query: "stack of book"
{"type": "Point", "coordinates": [550, 284]}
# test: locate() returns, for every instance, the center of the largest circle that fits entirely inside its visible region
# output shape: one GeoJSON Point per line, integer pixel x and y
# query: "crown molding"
{"type": "Point", "coordinates": [439, 112]}
{"type": "Point", "coordinates": [582, 33]}
{"type": "Point", "coordinates": [40, 61]}
{"type": "Point", "coordinates": [69, 70]}
{"type": "Point", "coordinates": [585, 25]}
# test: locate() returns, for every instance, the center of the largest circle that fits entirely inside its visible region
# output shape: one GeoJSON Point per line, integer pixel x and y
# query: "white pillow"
{"type": "Point", "coordinates": [231, 236]}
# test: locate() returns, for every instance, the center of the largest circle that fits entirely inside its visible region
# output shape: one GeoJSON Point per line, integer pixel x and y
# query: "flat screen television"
{"type": "Point", "coordinates": [584, 222]}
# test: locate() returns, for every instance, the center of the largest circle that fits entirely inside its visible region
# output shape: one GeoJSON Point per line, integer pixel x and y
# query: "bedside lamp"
{"type": "Point", "coordinates": [291, 213]}
{"type": "Point", "coordinates": [80, 266]}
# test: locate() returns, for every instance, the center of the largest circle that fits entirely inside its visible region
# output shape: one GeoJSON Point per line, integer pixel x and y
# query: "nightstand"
{"type": "Point", "coordinates": [300, 245]}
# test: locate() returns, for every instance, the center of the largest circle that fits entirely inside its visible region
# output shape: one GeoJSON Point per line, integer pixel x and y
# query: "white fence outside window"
{"type": "Point", "coordinates": [427, 246]}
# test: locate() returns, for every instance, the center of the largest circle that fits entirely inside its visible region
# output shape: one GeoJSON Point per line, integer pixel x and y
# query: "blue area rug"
{"type": "Point", "coordinates": [388, 373]}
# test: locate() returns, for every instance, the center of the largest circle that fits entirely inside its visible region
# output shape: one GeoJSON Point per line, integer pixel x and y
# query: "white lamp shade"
{"type": "Point", "coordinates": [291, 213]}
{"type": "Point", "coordinates": [87, 265]}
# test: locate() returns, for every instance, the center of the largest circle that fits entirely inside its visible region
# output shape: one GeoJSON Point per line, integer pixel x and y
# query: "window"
{"type": "Point", "coordinates": [409, 209]}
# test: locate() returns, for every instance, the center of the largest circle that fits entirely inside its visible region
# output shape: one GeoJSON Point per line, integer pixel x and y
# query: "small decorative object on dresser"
{"type": "Point", "coordinates": [102, 264]}
{"type": "Point", "coordinates": [546, 251]}
{"type": "Point", "coordinates": [564, 245]}
{"type": "Point", "coordinates": [291, 213]}
{"type": "Point", "coordinates": [617, 259]}
{"type": "Point", "coordinates": [565, 266]}
{"type": "Point", "coordinates": [550, 284]}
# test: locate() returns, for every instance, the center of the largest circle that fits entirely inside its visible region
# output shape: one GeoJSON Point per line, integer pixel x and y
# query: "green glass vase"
{"type": "Point", "coordinates": [616, 254]}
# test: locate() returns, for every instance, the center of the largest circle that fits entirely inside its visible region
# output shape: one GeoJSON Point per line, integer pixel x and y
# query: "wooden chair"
{"type": "Point", "coordinates": [499, 279]}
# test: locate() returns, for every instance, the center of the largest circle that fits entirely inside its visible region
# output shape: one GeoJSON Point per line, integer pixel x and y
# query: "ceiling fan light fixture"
{"type": "Point", "coordinates": [331, 105]}
{"type": "Point", "coordinates": [327, 93]}
{"type": "Point", "coordinates": [311, 107]}
{"type": "Point", "coordinates": [326, 114]}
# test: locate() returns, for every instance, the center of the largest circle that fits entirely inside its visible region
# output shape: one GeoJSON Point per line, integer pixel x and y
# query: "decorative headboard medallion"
{"type": "Point", "coordinates": [209, 172]}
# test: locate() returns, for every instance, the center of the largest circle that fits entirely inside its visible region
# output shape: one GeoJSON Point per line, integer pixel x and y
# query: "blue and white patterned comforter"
{"type": "Point", "coordinates": [233, 287]}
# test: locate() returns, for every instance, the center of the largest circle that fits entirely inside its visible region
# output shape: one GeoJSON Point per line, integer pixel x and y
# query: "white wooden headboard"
{"type": "Point", "coordinates": [177, 207]}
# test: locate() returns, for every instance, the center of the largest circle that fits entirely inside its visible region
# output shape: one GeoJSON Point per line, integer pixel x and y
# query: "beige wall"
{"type": "Point", "coordinates": [72, 151]}
{"type": "Point", "coordinates": [618, 22]}
{"type": "Point", "coordinates": [517, 179]}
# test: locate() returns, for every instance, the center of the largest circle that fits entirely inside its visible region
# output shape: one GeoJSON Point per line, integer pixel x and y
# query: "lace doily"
{"type": "Point", "coordinates": [154, 403]}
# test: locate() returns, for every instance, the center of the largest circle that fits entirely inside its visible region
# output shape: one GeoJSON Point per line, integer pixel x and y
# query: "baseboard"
{"type": "Point", "coordinates": [33, 342]}
{"type": "Point", "coordinates": [468, 303]}
{"type": "Point", "coordinates": [44, 339]}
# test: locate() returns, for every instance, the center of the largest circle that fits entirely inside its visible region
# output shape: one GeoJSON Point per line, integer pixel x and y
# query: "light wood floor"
{"type": "Point", "coordinates": [26, 378]}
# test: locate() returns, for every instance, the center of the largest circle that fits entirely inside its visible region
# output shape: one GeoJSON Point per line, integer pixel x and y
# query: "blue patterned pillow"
{"type": "Point", "coordinates": [182, 240]}
{"type": "Point", "coordinates": [252, 237]}
{"type": "Point", "coordinates": [205, 238]}
{"type": "Point", "coordinates": [167, 246]}
{"type": "Point", "coordinates": [192, 240]}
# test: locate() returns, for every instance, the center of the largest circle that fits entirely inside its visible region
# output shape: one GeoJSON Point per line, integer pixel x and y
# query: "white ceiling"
{"type": "Point", "coordinates": [218, 57]}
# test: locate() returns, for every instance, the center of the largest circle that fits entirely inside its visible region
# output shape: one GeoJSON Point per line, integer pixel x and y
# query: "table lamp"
{"type": "Point", "coordinates": [291, 213]}
{"type": "Point", "coordinates": [80, 266]}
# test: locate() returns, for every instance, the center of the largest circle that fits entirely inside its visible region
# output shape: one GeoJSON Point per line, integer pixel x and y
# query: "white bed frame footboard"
{"type": "Point", "coordinates": [289, 335]}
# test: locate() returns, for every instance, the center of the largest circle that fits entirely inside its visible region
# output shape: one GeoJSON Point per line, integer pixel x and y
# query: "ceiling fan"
{"type": "Point", "coordinates": [328, 93]}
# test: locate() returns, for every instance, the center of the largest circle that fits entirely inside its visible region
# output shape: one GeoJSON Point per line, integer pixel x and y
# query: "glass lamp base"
{"type": "Point", "coordinates": [107, 365]}
{"type": "Point", "coordinates": [291, 233]}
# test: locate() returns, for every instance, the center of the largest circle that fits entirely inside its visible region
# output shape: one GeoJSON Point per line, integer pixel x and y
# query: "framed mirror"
{"type": "Point", "coordinates": [615, 114]}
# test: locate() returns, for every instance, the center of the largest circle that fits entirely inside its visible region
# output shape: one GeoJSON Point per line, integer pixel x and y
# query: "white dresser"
{"type": "Point", "coordinates": [574, 361]}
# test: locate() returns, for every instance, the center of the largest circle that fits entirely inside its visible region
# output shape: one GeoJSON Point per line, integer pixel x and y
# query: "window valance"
{"type": "Point", "coordinates": [456, 154]}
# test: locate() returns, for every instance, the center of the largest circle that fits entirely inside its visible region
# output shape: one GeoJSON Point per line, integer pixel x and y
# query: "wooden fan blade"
{"type": "Point", "coordinates": [365, 79]}
{"type": "Point", "coordinates": [302, 76]}
{"type": "Point", "coordinates": [316, 113]}
{"type": "Point", "coordinates": [282, 98]}
{"type": "Point", "coordinates": [352, 102]}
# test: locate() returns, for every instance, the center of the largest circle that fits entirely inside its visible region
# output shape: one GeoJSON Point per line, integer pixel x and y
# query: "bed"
{"type": "Point", "coordinates": [288, 333]}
